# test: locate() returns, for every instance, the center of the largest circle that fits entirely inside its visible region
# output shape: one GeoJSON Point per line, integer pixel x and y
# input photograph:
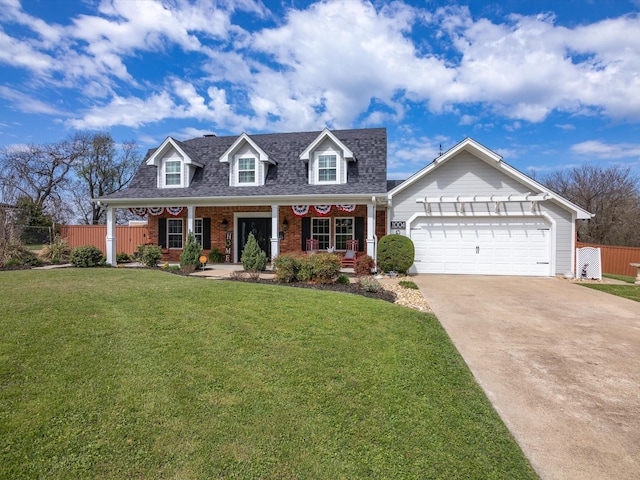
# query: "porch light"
{"type": "Point", "coordinates": [285, 225]}
{"type": "Point", "coordinates": [224, 223]}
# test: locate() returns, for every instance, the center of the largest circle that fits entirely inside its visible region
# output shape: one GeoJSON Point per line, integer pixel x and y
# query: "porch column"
{"type": "Point", "coordinates": [275, 240]}
{"type": "Point", "coordinates": [191, 219]}
{"type": "Point", "coordinates": [371, 230]}
{"type": "Point", "coordinates": [111, 236]}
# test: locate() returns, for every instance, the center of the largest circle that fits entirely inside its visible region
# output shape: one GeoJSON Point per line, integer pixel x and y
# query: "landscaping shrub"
{"type": "Point", "coordinates": [408, 284]}
{"type": "Point", "coordinates": [321, 268]}
{"type": "Point", "coordinates": [364, 265]}
{"type": "Point", "coordinates": [57, 251]}
{"type": "Point", "coordinates": [253, 257]}
{"type": "Point", "coordinates": [17, 254]}
{"type": "Point", "coordinates": [343, 279]}
{"type": "Point", "coordinates": [287, 267]}
{"type": "Point", "coordinates": [190, 256]}
{"type": "Point", "coordinates": [86, 256]}
{"type": "Point", "coordinates": [215, 256]}
{"type": "Point", "coordinates": [149, 255]}
{"type": "Point", "coordinates": [123, 257]}
{"type": "Point", "coordinates": [369, 284]}
{"type": "Point", "coordinates": [395, 253]}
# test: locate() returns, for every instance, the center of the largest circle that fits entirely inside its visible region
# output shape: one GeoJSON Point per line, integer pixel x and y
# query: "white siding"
{"type": "Point", "coordinates": [468, 175]}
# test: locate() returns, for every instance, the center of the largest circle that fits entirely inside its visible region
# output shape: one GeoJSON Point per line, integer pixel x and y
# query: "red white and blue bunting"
{"type": "Point", "coordinates": [302, 210]}
{"type": "Point", "coordinates": [174, 211]}
{"type": "Point", "coordinates": [142, 211]}
{"type": "Point", "coordinates": [347, 208]}
{"type": "Point", "coordinates": [322, 209]}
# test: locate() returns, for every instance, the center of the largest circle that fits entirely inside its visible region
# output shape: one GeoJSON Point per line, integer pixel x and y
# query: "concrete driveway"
{"type": "Point", "coordinates": [559, 362]}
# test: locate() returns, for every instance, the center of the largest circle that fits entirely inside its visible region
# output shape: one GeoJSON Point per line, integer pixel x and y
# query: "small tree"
{"type": "Point", "coordinates": [253, 257]}
{"type": "Point", "coordinates": [190, 257]}
{"type": "Point", "coordinates": [395, 253]}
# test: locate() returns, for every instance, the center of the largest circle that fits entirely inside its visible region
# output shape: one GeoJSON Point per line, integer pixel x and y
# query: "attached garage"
{"type": "Point", "coordinates": [469, 212]}
{"type": "Point", "coordinates": [482, 246]}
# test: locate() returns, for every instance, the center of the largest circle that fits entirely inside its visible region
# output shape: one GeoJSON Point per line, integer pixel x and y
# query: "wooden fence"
{"type": "Point", "coordinates": [127, 238]}
{"type": "Point", "coordinates": [616, 260]}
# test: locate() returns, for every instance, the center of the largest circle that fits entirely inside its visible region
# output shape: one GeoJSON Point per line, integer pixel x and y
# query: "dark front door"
{"type": "Point", "coordinates": [261, 229]}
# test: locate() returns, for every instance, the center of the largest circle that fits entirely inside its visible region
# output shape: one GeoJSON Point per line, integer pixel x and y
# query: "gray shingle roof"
{"type": "Point", "coordinates": [367, 175]}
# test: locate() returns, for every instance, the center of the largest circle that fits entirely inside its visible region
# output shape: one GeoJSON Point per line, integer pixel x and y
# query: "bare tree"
{"type": "Point", "coordinates": [612, 194]}
{"type": "Point", "coordinates": [99, 171]}
{"type": "Point", "coordinates": [39, 172]}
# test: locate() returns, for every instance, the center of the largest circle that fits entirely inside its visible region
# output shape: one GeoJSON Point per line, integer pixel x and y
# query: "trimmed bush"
{"type": "Point", "coordinates": [86, 256]}
{"type": "Point", "coordinates": [343, 280]}
{"type": "Point", "coordinates": [369, 284]}
{"type": "Point", "coordinates": [215, 256]}
{"type": "Point", "coordinates": [123, 257]}
{"type": "Point", "coordinates": [395, 253]}
{"type": "Point", "coordinates": [408, 284]}
{"type": "Point", "coordinates": [320, 268]}
{"type": "Point", "coordinates": [190, 256]}
{"type": "Point", "coordinates": [253, 257]}
{"type": "Point", "coordinates": [287, 267]}
{"type": "Point", "coordinates": [364, 265]}
{"type": "Point", "coordinates": [149, 255]}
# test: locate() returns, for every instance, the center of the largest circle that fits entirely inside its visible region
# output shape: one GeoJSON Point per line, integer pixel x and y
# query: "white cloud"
{"type": "Point", "coordinates": [27, 104]}
{"type": "Point", "coordinates": [608, 151]}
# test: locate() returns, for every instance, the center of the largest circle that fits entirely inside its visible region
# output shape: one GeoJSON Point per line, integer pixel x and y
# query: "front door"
{"type": "Point", "coordinates": [261, 229]}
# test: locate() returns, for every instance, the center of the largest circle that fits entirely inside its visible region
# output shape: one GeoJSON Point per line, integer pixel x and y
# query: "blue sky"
{"type": "Point", "coordinates": [546, 84]}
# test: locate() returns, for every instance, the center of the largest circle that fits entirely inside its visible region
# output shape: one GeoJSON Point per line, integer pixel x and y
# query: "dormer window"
{"type": "Point", "coordinates": [327, 159]}
{"type": "Point", "coordinates": [246, 170]}
{"type": "Point", "coordinates": [173, 173]}
{"type": "Point", "coordinates": [327, 168]}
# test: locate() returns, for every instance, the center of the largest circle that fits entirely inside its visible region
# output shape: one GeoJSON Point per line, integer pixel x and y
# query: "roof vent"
{"type": "Point", "coordinates": [207, 135]}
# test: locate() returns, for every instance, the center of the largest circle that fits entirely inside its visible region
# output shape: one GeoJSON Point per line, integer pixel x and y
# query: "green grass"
{"type": "Point", "coordinates": [622, 278]}
{"type": "Point", "coordinates": [632, 292]}
{"type": "Point", "coordinates": [126, 373]}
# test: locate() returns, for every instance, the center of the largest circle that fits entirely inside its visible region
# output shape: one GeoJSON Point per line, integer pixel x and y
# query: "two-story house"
{"type": "Point", "coordinates": [467, 211]}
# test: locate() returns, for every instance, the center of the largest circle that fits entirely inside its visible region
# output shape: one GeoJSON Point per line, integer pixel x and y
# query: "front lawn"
{"type": "Point", "coordinates": [127, 373]}
{"type": "Point", "coordinates": [632, 292]}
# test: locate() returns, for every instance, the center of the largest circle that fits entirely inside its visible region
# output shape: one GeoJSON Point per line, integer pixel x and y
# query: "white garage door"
{"type": "Point", "coordinates": [482, 246]}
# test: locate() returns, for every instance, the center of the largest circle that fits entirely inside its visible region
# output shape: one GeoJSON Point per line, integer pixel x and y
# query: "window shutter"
{"type": "Point", "coordinates": [359, 232]}
{"type": "Point", "coordinates": [306, 232]}
{"type": "Point", "coordinates": [162, 232]}
{"type": "Point", "coordinates": [206, 233]}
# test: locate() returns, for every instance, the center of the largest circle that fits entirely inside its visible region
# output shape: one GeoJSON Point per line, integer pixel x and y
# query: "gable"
{"type": "Point", "coordinates": [471, 170]}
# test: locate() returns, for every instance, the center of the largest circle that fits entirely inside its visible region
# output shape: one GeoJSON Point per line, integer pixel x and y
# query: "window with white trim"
{"type": "Point", "coordinates": [197, 230]}
{"type": "Point", "coordinates": [174, 232]}
{"type": "Point", "coordinates": [327, 168]}
{"type": "Point", "coordinates": [343, 231]}
{"type": "Point", "coordinates": [173, 173]}
{"type": "Point", "coordinates": [246, 170]}
{"type": "Point", "coordinates": [321, 231]}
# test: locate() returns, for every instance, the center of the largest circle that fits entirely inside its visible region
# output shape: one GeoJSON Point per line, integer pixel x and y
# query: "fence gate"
{"type": "Point", "coordinates": [588, 263]}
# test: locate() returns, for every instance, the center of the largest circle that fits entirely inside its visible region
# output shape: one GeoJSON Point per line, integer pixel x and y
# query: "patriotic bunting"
{"type": "Point", "coordinates": [322, 209]}
{"type": "Point", "coordinates": [175, 211]}
{"type": "Point", "coordinates": [155, 210]}
{"type": "Point", "coordinates": [140, 211]}
{"type": "Point", "coordinates": [300, 210]}
{"type": "Point", "coordinates": [347, 208]}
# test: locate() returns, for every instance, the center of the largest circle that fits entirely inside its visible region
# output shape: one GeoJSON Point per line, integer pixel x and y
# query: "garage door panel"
{"type": "Point", "coordinates": [482, 246]}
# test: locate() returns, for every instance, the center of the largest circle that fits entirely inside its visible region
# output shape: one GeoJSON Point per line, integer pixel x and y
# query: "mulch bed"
{"type": "Point", "coordinates": [352, 288]}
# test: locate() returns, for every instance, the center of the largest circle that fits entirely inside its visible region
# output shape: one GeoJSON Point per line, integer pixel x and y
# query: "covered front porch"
{"type": "Point", "coordinates": [278, 228]}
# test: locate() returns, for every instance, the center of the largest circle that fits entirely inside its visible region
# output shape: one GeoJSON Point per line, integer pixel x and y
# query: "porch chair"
{"type": "Point", "coordinates": [312, 246]}
{"type": "Point", "coordinates": [350, 255]}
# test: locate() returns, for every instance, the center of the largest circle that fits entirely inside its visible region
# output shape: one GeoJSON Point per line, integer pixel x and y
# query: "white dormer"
{"type": "Point", "coordinates": [175, 167]}
{"type": "Point", "coordinates": [248, 163]}
{"type": "Point", "coordinates": [327, 159]}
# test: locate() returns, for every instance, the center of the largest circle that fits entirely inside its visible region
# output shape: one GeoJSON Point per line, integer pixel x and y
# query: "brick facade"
{"type": "Point", "coordinates": [292, 241]}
